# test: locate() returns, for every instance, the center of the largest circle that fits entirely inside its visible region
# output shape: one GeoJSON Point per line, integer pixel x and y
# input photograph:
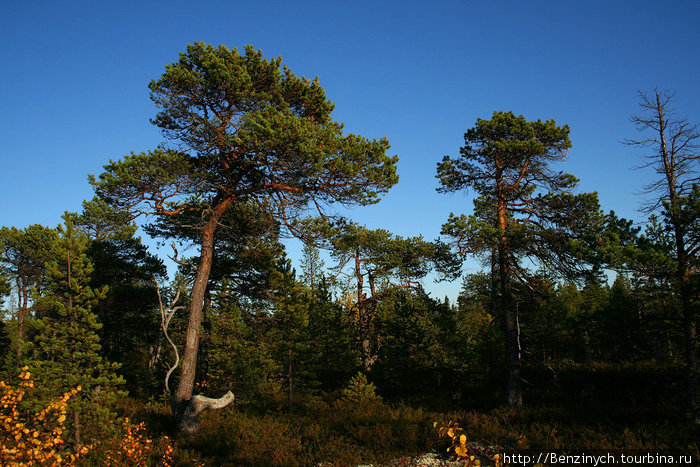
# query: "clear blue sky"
{"type": "Point", "coordinates": [74, 76]}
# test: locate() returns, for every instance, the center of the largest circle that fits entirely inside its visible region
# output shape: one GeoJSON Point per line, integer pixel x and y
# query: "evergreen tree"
{"type": "Point", "coordinates": [415, 350]}
{"type": "Point", "coordinates": [478, 332]}
{"type": "Point", "coordinates": [336, 356]}
{"type": "Point", "coordinates": [66, 344]}
{"type": "Point", "coordinates": [5, 340]}
{"type": "Point", "coordinates": [526, 211]}
{"type": "Point", "coordinates": [23, 257]}
{"type": "Point", "coordinates": [253, 132]}
{"type": "Point", "coordinates": [374, 261]}
{"type": "Point", "coordinates": [130, 331]}
{"type": "Point", "coordinates": [311, 267]}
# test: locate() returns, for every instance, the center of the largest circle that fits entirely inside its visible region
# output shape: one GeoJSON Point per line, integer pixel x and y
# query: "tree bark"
{"type": "Point", "coordinates": [689, 326]}
{"type": "Point", "coordinates": [189, 357]}
{"type": "Point", "coordinates": [185, 407]}
{"type": "Point", "coordinates": [188, 420]}
{"type": "Point", "coordinates": [23, 305]}
{"type": "Point", "coordinates": [510, 325]}
{"type": "Point", "coordinates": [204, 342]}
{"type": "Point", "coordinates": [363, 319]}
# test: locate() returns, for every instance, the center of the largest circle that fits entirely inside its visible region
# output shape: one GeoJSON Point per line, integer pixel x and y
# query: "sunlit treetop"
{"type": "Point", "coordinates": [238, 125]}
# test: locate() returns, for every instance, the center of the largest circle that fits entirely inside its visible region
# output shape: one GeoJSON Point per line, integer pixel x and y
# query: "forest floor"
{"type": "Point", "coordinates": [600, 408]}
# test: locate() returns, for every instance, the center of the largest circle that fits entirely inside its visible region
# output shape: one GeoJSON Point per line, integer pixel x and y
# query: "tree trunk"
{"type": "Point", "coordinates": [185, 407]}
{"type": "Point", "coordinates": [22, 313]}
{"type": "Point", "coordinates": [290, 379]}
{"type": "Point", "coordinates": [513, 390]}
{"type": "Point", "coordinates": [363, 319]}
{"type": "Point", "coordinates": [672, 158]}
{"type": "Point", "coordinates": [510, 325]}
{"type": "Point", "coordinates": [204, 342]}
{"type": "Point", "coordinates": [76, 428]}
{"type": "Point", "coordinates": [493, 299]}
{"type": "Point", "coordinates": [690, 338]}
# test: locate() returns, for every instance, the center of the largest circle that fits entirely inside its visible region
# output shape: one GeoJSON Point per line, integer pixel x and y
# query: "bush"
{"type": "Point", "coordinates": [34, 438]}
{"type": "Point", "coordinates": [339, 433]}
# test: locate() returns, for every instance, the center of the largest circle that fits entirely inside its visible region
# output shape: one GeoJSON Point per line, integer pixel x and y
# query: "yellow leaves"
{"type": "Point", "coordinates": [461, 450]}
{"type": "Point", "coordinates": [25, 374]}
{"type": "Point", "coordinates": [35, 440]}
{"type": "Point", "coordinates": [450, 430]}
{"type": "Point", "coordinates": [459, 443]}
{"type": "Point", "coordinates": [167, 458]}
{"type": "Point", "coordinates": [134, 447]}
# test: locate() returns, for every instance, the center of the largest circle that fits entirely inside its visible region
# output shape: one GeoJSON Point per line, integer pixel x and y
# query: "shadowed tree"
{"type": "Point", "coordinates": [241, 130]}
{"type": "Point", "coordinates": [129, 333]}
{"type": "Point", "coordinates": [66, 343]}
{"type": "Point", "coordinates": [246, 253]}
{"type": "Point", "coordinates": [375, 260]}
{"type": "Point", "coordinates": [673, 146]}
{"type": "Point", "coordinates": [23, 256]}
{"type": "Point", "coordinates": [526, 210]}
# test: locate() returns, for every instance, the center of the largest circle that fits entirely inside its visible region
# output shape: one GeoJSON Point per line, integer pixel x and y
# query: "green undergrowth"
{"type": "Point", "coordinates": [321, 433]}
{"type": "Point", "coordinates": [590, 408]}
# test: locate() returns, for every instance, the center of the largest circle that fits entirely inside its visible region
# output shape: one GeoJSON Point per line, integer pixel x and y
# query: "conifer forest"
{"type": "Point", "coordinates": [577, 335]}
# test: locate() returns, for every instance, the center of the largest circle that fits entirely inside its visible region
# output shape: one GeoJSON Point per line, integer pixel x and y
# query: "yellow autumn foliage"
{"type": "Point", "coordinates": [36, 439]}
{"type": "Point", "coordinates": [133, 447]}
{"type": "Point", "coordinates": [458, 444]}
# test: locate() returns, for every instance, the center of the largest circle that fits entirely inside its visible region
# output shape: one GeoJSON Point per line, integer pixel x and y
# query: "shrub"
{"type": "Point", "coordinates": [37, 438]}
{"type": "Point", "coordinates": [360, 391]}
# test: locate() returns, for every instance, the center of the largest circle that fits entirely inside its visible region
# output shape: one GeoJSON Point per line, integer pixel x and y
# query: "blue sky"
{"type": "Point", "coordinates": [74, 76]}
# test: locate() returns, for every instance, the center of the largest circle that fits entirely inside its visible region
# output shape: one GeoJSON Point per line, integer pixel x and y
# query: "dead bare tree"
{"type": "Point", "coordinates": [188, 418]}
{"type": "Point", "coordinates": [673, 146]}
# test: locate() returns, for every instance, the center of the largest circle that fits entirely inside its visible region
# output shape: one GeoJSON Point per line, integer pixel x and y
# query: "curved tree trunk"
{"type": "Point", "coordinates": [185, 407]}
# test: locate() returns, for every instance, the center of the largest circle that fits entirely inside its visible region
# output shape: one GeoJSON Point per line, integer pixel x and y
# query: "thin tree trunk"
{"type": "Point", "coordinates": [154, 354]}
{"type": "Point", "coordinates": [493, 299]}
{"type": "Point", "coordinates": [669, 159]}
{"type": "Point", "coordinates": [76, 427]}
{"type": "Point", "coordinates": [290, 379]}
{"type": "Point", "coordinates": [690, 338]}
{"type": "Point", "coordinates": [23, 305]}
{"type": "Point", "coordinates": [363, 318]}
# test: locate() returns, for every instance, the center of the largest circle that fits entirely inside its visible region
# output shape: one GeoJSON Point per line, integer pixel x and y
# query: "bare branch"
{"type": "Point", "coordinates": [179, 261]}
{"type": "Point", "coordinates": [166, 315]}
